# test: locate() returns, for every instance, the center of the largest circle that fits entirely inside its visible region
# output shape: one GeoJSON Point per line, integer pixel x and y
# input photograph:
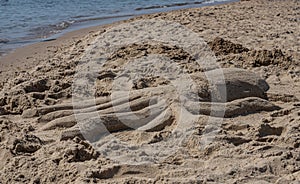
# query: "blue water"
{"type": "Point", "coordinates": [26, 21]}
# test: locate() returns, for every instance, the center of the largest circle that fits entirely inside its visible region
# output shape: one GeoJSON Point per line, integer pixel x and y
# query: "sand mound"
{"type": "Point", "coordinates": [224, 47]}
{"type": "Point", "coordinates": [240, 83]}
{"type": "Point", "coordinates": [267, 57]}
{"type": "Point", "coordinates": [228, 50]}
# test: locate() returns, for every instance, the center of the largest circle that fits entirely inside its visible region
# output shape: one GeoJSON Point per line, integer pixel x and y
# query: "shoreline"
{"type": "Point", "coordinates": [100, 21]}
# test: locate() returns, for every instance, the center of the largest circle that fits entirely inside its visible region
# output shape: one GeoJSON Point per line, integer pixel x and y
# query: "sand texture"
{"type": "Point", "coordinates": [202, 95]}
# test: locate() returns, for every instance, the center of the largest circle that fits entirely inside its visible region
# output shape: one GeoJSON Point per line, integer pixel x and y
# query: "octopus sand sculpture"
{"type": "Point", "coordinates": [151, 76]}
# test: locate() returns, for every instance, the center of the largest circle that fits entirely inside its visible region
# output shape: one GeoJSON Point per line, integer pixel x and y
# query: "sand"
{"type": "Point", "coordinates": [202, 95]}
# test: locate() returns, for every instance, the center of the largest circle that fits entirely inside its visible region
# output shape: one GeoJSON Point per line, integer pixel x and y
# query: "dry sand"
{"type": "Point", "coordinates": [172, 141]}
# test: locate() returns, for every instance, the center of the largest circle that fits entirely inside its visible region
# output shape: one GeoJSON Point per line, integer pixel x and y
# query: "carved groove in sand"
{"type": "Point", "coordinates": [246, 97]}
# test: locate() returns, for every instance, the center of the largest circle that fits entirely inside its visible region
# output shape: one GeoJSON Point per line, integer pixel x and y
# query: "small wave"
{"type": "Point", "coordinates": [4, 2]}
{"type": "Point", "coordinates": [3, 40]}
{"type": "Point", "coordinates": [168, 5]}
{"type": "Point", "coordinates": [45, 31]}
{"type": "Point", "coordinates": [64, 25]}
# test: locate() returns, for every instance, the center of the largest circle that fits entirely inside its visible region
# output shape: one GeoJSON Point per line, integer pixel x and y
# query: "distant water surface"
{"type": "Point", "coordinates": [29, 21]}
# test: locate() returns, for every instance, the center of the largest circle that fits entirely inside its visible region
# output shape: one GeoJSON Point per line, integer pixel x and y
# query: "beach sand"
{"type": "Point", "coordinates": [256, 41]}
